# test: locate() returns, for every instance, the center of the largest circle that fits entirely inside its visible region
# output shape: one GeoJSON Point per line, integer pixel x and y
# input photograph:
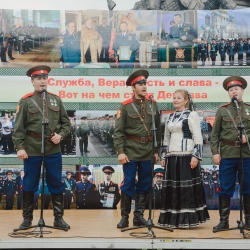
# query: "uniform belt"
{"type": "Point", "coordinates": [232, 143]}
{"type": "Point", "coordinates": [38, 136]}
{"type": "Point", "coordinates": [139, 139]}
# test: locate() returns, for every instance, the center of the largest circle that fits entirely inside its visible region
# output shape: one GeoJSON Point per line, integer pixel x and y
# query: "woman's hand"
{"type": "Point", "coordinates": [194, 162]}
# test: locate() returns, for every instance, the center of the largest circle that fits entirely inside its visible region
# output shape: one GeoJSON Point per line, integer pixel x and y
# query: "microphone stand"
{"type": "Point", "coordinates": [241, 175]}
{"type": "Point", "coordinates": [150, 224]}
{"type": "Point", "coordinates": [45, 122]}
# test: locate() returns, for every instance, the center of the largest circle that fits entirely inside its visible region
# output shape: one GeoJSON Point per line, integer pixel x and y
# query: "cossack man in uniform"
{"type": "Point", "coordinates": [225, 146]}
{"type": "Point", "coordinates": [27, 138]}
{"type": "Point", "coordinates": [109, 187]}
{"type": "Point", "coordinates": [86, 192]}
{"type": "Point", "coordinates": [133, 145]}
{"type": "Point", "coordinates": [69, 189]}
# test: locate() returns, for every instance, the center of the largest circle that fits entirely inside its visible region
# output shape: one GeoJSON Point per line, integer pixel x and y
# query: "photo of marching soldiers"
{"type": "Point", "coordinates": [223, 38]}
{"type": "Point", "coordinates": [94, 133]}
{"type": "Point", "coordinates": [177, 38]}
{"type": "Point", "coordinates": [28, 37]}
{"type": "Point", "coordinates": [106, 39]}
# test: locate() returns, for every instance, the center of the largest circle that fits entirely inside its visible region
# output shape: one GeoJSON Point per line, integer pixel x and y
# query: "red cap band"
{"type": "Point", "coordinates": [159, 174]}
{"type": "Point", "coordinates": [234, 83]}
{"type": "Point", "coordinates": [38, 72]}
{"type": "Point", "coordinates": [139, 78]}
{"type": "Point", "coordinates": [107, 171]}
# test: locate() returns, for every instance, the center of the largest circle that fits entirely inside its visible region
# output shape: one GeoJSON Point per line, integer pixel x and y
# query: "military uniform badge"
{"type": "Point", "coordinates": [247, 111]}
{"type": "Point", "coordinates": [130, 38]}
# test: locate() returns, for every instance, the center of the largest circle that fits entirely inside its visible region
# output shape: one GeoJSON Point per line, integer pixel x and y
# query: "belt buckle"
{"type": "Point", "coordinates": [143, 139]}
{"type": "Point", "coordinates": [237, 144]}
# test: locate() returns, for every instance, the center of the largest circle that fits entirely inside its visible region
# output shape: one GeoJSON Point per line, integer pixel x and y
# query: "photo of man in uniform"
{"type": "Point", "coordinates": [108, 187]}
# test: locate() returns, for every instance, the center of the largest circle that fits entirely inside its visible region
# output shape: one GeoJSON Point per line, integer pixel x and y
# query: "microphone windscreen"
{"type": "Point", "coordinates": [234, 99]}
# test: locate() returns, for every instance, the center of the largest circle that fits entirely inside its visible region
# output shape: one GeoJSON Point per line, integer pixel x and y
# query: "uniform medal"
{"type": "Point", "coordinates": [247, 111]}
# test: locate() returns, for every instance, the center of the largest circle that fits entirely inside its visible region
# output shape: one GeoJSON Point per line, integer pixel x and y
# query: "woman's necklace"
{"type": "Point", "coordinates": [172, 122]}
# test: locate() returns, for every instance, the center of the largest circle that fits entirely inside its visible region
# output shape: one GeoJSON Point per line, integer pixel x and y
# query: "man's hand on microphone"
{"type": "Point", "coordinates": [21, 154]}
{"type": "Point", "coordinates": [56, 138]}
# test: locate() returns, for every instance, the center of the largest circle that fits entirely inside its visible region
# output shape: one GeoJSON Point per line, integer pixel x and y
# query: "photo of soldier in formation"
{"type": "Point", "coordinates": [29, 37]}
{"type": "Point", "coordinates": [227, 41]}
{"type": "Point", "coordinates": [94, 133]}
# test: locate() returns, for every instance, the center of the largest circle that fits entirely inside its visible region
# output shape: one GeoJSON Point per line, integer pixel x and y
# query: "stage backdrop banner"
{"type": "Point", "coordinates": [113, 89]}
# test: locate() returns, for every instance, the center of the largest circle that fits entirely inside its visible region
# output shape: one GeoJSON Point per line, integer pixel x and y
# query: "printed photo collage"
{"type": "Point", "coordinates": [125, 39]}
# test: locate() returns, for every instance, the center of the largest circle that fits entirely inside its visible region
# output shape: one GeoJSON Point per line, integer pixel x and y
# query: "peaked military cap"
{"type": "Point", "coordinates": [138, 76]}
{"type": "Point", "coordinates": [40, 70]}
{"type": "Point", "coordinates": [9, 171]}
{"type": "Point", "coordinates": [108, 169]}
{"type": "Point", "coordinates": [69, 172]}
{"type": "Point", "coordinates": [159, 172]}
{"type": "Point", "coordinates": [233, 81]}
{"type": "Point", "coordinates": [84, 170]}
{"type": "Point", "coordinates": [84, 118]}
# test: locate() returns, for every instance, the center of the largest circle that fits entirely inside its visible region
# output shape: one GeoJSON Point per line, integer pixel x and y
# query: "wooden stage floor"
{"type": "Point", "coordinates": [97, 229]}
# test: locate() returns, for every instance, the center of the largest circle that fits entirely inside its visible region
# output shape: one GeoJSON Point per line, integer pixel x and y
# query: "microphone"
{"type": "Point", "coordinates": [235, 101]}
{"type": "Point", "coordinates": [44, 92]}
{"type": "Point", "coordinates": [151, 97]}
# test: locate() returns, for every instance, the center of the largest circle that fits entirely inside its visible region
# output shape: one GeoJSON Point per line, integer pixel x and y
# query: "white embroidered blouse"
{"type": "Point", "coordinates": [182, 135]}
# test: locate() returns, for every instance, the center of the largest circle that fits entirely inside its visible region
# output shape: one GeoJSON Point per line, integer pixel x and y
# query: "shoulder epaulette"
{"type": "Point", "coordinates": [127, 102]}
{"type": "Point", "coordinates": [147, 97]}
{"type": "Point", "coordinates": [28, 95]}
{"type": "Point", "coordinates": [224, 105]}
{"type": "Point", "coordinates": [78, 182]}
{"type": "Point", "coordinates": [52, 94]}
{"type": "Point", "coordinates": [64, 32]}
{"type": "Point", "coordinates": [248, 104]}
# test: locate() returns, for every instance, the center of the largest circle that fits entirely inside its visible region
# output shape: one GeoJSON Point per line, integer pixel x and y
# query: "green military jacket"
{"type": "Point", "coordinates": [82, 130]}
{"type": "Point", "coordinates": [29, 118]}
{"type": "Point", "coordinates": [128, 123]}
{"type": "Point", "coordinates": [224, 129]}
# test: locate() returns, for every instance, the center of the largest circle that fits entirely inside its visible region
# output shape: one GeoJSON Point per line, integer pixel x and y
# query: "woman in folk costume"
{"type": "Point", "coordinates": [183, 196]}
{"type": "Point", "coordinates": [91, 43]}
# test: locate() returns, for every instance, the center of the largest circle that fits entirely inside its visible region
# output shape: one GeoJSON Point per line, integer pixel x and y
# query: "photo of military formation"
{"type": "Point", "coordinates": [211, 182]}
{"type": "Point", "coordinates": [94, 133]}
{"type": "Point", "coordinates": [28, 37]}
{"type": "Point", "coordinates": [223, 38]}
